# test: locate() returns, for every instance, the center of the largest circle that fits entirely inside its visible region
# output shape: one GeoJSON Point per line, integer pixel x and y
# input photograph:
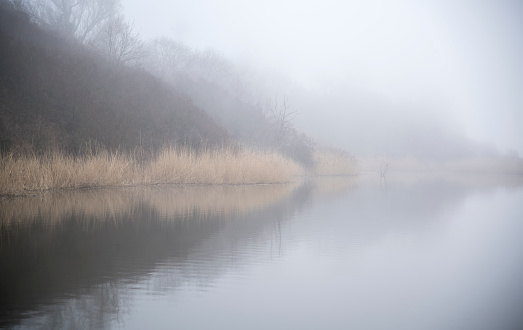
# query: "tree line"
{"type": "Point", "coordinates": [55, 93]}
{"type": "Point", "coordinates": [103, 82]}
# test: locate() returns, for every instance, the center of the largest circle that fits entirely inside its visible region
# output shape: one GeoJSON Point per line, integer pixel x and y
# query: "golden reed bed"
{"type": "Point", "coordinates": [23, 174]}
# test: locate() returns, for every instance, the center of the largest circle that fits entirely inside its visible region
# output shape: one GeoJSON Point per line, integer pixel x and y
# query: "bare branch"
{"type": "Point", "coordinates": [118, 42]}
{"type": "Point", "coordinates": [281, 118]}
{"type": "Point", "coordinates": [74, 18]}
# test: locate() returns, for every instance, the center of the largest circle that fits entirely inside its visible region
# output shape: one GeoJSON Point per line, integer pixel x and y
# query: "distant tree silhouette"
{"type": "Point", "coordinates": [79, 19]}
{"type": "Point", "coordinates": [54, 94]}
{"type": "Point", "coordinates": [117, 41]}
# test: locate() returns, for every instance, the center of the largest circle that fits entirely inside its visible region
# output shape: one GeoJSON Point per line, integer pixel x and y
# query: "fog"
{"type": "Point", "coordinates": [439, 78]}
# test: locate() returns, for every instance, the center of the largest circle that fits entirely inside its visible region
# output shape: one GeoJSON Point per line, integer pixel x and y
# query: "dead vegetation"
{"type": "Point", "coordinates": [25, 173]}
{"type": "Point", "coordinates": [330, 162]}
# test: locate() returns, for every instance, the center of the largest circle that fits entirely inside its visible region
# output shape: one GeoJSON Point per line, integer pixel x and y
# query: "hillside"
{"type": "Point", "coordinates": [58, 93]}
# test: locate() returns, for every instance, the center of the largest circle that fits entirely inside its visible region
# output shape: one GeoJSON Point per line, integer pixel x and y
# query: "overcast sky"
{"type": "Point", "coordinates": [457, 62]}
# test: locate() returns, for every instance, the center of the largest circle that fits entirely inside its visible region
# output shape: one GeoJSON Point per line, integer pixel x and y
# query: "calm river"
{"type": "Point", "coordinates": [414, 252]}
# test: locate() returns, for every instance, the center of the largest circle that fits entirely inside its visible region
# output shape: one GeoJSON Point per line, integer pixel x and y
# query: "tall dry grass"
{"type": "Point", "coordinates": [22, 174]}
{"type": "Point", "coordinates": [330, 162]}
{"type": "Point", "coordinates": [222, 166]}
{"type": "Point", "coordinates": [25, 173]}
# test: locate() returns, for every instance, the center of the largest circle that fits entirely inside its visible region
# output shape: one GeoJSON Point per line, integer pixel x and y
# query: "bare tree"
{"type": "Point", "coordinates": [117, 41]}
{"type": "Point", "coordinates": [169, 57]}
{"type": "Point", "coordinates": [77, 19]}
{"type": "Point", "coordinates": [210, 65]}
{"type": "Point", "coordinates": [281, 117]}
{"type": "Point", "coordinates": [284, 136]}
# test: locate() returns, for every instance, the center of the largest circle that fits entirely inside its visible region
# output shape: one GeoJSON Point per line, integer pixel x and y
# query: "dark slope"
{"type": "Point", "coordinates": [57, 93]}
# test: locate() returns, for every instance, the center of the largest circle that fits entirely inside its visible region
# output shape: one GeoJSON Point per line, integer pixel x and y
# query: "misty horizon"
{"type": "Point", "coordinates": [271, 165]}
{"type": "Point", "coordinates": [370, 77]}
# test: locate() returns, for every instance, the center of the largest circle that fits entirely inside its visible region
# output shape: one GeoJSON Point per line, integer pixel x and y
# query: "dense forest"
{"type": "Point", "coordinates": [62, 87]}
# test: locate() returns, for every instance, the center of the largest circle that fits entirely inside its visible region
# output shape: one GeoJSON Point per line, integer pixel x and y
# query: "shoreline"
{"type": "Point", "coordinates": [27, 174]}
{"type": "Point", "coordinates": [22, 175]}
{"type": "Point", "coordinates": [33, 193]}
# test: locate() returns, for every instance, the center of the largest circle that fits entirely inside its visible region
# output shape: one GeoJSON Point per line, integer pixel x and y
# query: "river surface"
{"type": "Point", "coordinates": [410, 252]}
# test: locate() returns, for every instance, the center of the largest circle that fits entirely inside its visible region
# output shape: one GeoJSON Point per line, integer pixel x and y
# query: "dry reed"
{"type": "Point", "coordinates": [224, 166]}
{"type": "Point", "coordinates": [22, 174]}
{"type": "Point", "coordinates": [334, 162]}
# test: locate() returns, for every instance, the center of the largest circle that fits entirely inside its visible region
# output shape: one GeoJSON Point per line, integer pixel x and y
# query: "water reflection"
{"type": "Point", "coordinates": [104, 258]}
{"type": "Point", "coordinates": [62, 245]}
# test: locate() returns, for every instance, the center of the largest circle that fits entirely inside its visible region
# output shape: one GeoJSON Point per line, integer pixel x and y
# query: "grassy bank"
{"type": "Point", "coordinates": [26, 173]}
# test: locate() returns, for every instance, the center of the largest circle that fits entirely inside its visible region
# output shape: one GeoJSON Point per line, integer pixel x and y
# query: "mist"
{"type": "Point", "coordinates": [290, 164]}
{"type": "Point", "coordinates": [431, 79]}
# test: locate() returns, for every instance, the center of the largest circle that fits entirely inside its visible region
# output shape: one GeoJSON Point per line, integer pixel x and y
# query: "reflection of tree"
{"type": "Point", "coordinates": [98, 308]}
{"type": "Point", "coordinates": [83, 265]}
{"type": "Point", "coordinates": [226, 248]}
{"type": "Point", "coordinates": [92, 256]}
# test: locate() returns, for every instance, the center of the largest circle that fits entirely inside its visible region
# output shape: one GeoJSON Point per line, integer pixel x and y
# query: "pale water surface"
{"type": "Point", "coordinates": [412, 252]}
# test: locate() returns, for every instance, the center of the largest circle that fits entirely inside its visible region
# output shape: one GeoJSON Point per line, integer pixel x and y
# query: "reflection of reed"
{"type": "Point", "coordinates": [208, 200]}
{"type": "Point", "coordinates": [58, 245]}
{"type": "Point", "coordinates": [477, 165]}
{"type": "Point", "coordinates": [167, 201]}
{"type": "Point", "coordinates": [333, 185]}
{"type": "Point", "coordinates": [465, 180]}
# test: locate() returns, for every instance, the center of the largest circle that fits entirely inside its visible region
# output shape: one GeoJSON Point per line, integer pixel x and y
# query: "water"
{"type": "Point", "coordinates": [412, 252]}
